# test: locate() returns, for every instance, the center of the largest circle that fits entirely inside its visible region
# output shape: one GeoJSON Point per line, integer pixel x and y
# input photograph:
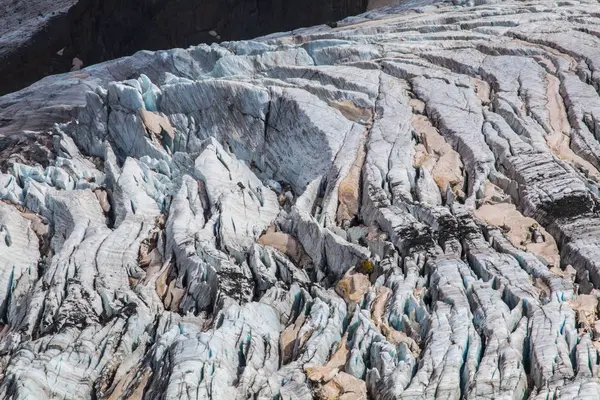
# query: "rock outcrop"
{"type": "Point", "coordinates": [42, 37]}
{"type": "Point", "coordinates": [401, 207]}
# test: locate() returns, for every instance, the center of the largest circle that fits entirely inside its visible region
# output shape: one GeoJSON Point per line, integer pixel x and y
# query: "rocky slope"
{"type": "Point", "coordinates": [402, 207]}
{"type": "Point", "coordinates": [43, 37]}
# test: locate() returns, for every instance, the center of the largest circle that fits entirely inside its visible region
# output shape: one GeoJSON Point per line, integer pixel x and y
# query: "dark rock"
{"type": "Point", "coordinates": [48, 35]}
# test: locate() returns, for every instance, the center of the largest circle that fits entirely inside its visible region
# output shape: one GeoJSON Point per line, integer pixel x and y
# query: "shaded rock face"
{"type": "Point", "coordinates": [402, 207]}
{"type": "Point", "coordinates": [43, 37]}
{"type": "Point", "coordinates": [31, 34]}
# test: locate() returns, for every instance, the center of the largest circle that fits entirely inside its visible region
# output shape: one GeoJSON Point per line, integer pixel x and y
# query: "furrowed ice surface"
{"type": "Point", "coordinates": [401, 207]}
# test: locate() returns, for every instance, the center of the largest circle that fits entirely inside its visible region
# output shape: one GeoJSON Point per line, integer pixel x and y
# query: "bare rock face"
{"type": "Point", "coordinates": [401, 207]}
{"type": "Point", "coordinates": [44, 37]}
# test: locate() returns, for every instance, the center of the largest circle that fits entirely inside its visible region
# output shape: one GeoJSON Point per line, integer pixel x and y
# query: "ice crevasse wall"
{"type": "Point", "coordinates": [400, 207]}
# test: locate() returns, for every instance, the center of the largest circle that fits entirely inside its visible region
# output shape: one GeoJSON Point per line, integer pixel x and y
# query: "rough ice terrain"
{"type": "Point", "coordinates": [404, 206]}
